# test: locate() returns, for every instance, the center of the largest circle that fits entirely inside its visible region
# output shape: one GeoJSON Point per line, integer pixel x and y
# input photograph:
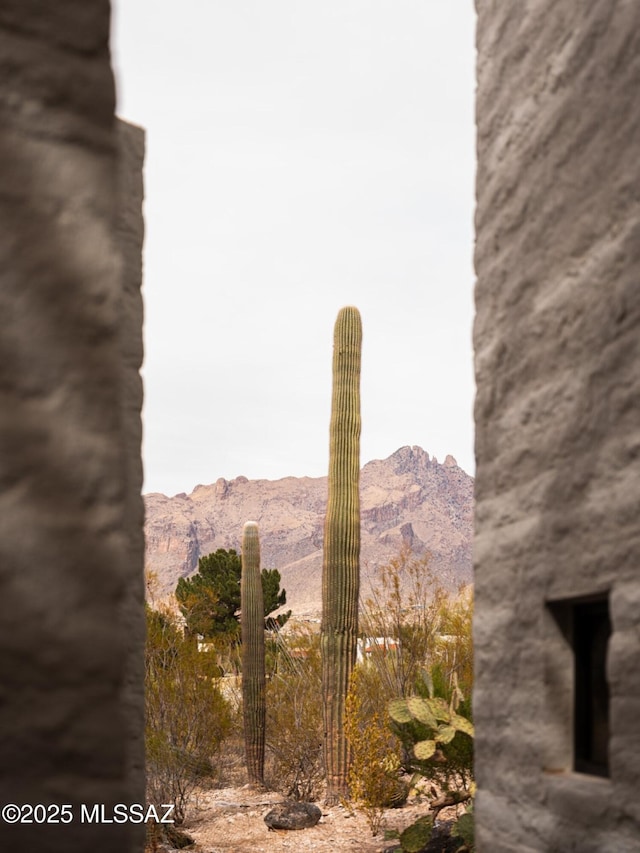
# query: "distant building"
{"type": "Point", "coordinates": [369, 646]}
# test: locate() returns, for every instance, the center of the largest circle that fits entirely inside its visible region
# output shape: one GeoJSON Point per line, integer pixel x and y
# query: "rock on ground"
{"type": "Point", "coordinates": [293, 816]}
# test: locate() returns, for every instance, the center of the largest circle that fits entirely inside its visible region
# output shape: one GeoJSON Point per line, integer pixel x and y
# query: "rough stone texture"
{"type": "Point", "coordinates": [69, 563]}
{"type": "Point", "coordinates": [557, 343]}
{"type": "Point", "coordinates": [129, 233]}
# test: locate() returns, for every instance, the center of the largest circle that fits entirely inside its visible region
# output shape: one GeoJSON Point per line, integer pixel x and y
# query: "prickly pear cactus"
{"type": "Point", "coordinates": [417, 835]}
{"type": "Point", "coordinates": [434, 713]}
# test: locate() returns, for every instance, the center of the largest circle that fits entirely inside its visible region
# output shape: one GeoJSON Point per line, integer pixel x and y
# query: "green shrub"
{"type": "Point", "coordinates": [404, 605]}
{"type": "Point", "coordinates": [429, 630]}
{"type": "Point", "coordinates": [186, 716]}
{"type": "Point", "coordinates": [294, 732]}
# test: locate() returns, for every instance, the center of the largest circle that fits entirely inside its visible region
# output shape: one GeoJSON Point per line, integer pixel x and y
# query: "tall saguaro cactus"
{"type": "Point", "coordinates": [253, 675]}
{"type": "Point", "coordinates": [341, 556]}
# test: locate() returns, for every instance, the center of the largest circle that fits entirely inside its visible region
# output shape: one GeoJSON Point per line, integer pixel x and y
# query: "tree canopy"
{"type": "Point", "coordinates": [210, 599]}
{"type": "Point", "coordinates": [274, 597]}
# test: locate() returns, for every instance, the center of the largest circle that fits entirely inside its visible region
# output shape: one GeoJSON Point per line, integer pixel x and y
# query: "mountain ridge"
{"type": "Point", "coordinates": [409, 499]}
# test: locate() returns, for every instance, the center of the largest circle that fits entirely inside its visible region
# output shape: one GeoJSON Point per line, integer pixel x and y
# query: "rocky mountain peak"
{"type": "Point", "coordinates": [408, 499]}
{"type": "Point", "coordinates": [409, 459]}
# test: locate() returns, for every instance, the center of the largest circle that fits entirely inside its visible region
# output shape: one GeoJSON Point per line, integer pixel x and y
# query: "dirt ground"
{"type": "Point", "coordinates": [232, 819]}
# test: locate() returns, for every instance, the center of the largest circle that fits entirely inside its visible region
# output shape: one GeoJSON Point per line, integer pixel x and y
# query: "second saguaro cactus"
{"type": "Point", "coordinates": [341, 553]}
{"type": "Point", "coordinates": [253, 673]}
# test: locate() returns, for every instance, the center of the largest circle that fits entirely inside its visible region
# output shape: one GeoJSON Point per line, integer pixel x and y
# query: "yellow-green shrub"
{"type": "Point", "coordinates": [373, 777]}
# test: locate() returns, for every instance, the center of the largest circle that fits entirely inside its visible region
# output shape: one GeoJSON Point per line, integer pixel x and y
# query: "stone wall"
{"type": "Point", "coordinates": [557, 343]}
{"type": "Point", "coordinates": [129, 234]}
{"type": "Point", "coordinates": [70, 511]}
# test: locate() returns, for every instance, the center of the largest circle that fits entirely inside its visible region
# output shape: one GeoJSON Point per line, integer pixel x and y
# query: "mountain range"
{"type": "Point", "coordinates": [407, 500]}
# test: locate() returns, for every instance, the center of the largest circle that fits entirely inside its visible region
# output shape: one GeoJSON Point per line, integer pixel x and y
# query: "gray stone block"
{"type": "Point", "coordinates": [71, 624]}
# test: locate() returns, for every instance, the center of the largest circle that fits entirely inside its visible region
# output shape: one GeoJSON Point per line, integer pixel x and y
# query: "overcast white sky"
{"type": "Point", "coordinates": [302, 155]}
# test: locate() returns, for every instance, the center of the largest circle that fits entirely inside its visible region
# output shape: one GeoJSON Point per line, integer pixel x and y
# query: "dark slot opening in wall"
{"type": "Point", "coordinates": [591, 631]}
{"type": "Point", "coordinates": [577, 692]}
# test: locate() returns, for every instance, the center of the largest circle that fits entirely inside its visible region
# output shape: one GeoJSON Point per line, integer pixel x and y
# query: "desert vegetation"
{"type": "Point", "coordinates": [187, 716]}
{"type": "Point", "coordinates": [409, 706]}
{"type": "Point", "coordinates": [407, 712]}
{"type": "Point", "coordinates": [373, 707]}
